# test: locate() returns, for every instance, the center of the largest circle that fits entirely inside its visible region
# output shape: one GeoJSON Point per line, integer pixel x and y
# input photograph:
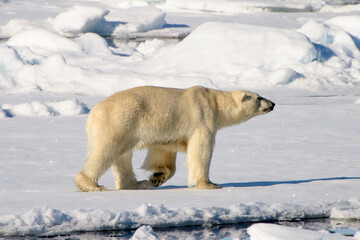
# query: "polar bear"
{"type": "Point", "coordinates": [165, 121]}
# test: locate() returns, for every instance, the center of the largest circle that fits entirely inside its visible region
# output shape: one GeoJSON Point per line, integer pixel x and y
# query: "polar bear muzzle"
{"type": "Point", "coordinates": [266, 105]}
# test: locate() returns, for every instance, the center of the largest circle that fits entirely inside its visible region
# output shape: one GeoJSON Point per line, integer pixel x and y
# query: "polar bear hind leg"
{"type": "Point", "coordinates": [95, 165]}
{"type": "Point", "coordinates": [86, 184]}
{"type": "Point", "coordinates": [161, 163]}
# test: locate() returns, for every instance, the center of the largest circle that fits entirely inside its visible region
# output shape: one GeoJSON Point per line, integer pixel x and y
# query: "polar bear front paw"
{"type": "Point", "coordinates": [144, 184]}
{"type": "Point", "coordinates": [157, 179]}
{"type": "Point", "coordinates": [101, 189]}
{"type": "Point", "coordinates": [206, 185]}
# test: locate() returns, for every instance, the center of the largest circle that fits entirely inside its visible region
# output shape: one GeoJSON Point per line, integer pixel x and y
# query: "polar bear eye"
{"type": "Point", "coordinates": [260, 98]}
{"type": "Point", "coordinates": [246, 98]}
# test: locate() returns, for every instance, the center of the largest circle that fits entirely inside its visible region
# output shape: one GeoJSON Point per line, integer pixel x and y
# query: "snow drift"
{"type": "Point", "coordinates": [43, 42]}
{"type": "Point", "coordinates": [48, 221]}
{"type": "Point", "coordinates": [80, 19]}
{"type": "Point", "coordinates": [241, 55]}
{"type": "Point", "coordinates": [319, 55]}
{"type": "Point", "coordinates": [37, 108]}
{"type": "Point", "coordinates": [261, 6]}
{"type": "Point", "coordinates": [233, 7]}
{"type": "Point", "coordinates": [276, 232]}
{"type": "Point", "coordinates": [244, 56]}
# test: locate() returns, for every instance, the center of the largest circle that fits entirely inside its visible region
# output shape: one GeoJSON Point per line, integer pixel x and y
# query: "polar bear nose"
{"type": "Point", "coordinates": [270, 106]}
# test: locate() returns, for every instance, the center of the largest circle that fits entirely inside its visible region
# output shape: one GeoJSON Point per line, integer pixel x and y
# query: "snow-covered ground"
{"type": "Point", "coordinates": [300, 161]}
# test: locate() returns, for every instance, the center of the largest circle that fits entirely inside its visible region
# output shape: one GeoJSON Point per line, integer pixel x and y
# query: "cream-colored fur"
{"type": "Point", "coordinates": [165, 121]}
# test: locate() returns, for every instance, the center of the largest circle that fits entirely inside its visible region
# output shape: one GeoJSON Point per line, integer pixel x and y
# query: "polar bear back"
{"type": "Point", "coordinates": [155, 115]}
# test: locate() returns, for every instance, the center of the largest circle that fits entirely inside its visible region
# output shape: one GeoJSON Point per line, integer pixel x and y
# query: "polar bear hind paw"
{"type": "Point", "coordinates": [85, 184]}
{"type": "Point", "coordinates": [206, 185]}
{"type": "Point", "coordinates": [157, 179]}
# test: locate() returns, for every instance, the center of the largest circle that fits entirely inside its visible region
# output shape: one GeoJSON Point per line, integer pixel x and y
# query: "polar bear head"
{"type": "Point", "coordinates": [249, 104]}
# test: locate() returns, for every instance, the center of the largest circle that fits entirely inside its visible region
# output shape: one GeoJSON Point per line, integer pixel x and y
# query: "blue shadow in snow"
{"type": "Point", "coordinates": [8, 113]}
{"type": "Point", "coordinates": [176, 26]}
{"type": "Point", "coordinates": [262, 184]}
{"type": "Point", "coordinates": [323, 53]}
{"type": "Point", "coordinates": [272, 183]}
{"type": "Point", "coordinates": [171, 187]}
{"type": "Point", "coordinates": [356, 41]}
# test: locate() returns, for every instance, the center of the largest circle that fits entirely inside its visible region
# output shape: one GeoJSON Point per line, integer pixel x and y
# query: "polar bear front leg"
{"type": "Point", "coordinates": [124, 175]}
{"type": "Point", "coordinates": [199, 153]}
{"type": "Point", "coordinates": [161, 163]}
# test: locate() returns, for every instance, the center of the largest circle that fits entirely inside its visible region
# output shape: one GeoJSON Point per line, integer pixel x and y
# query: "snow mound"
{"type": "Point", "coordinates": [318, 56]}
{"type": "Point", "coordinates": [40, 41]}
{"type": "Point", "coordinates": [263, 231]}
{"type": "Point", "coordinates": [347, 23]}
{"type": "Point", "coordinates": [81, 19]}
{"type": "Point", "coordinates": [336, 8]}
{"type": "Point", "coordinates": [93, 44]}
{"type": "Point", "coordinates": [144, 233]}
{"type": "Point", "coordinates": [43, 42]}
{"type": "Point", "coordinates": [83, 65]}
{"type": "Point", "coordinates": [10, 60]}
{"type": "Point", "coordinates": [78, 19]}
{"type": "Point", "coordinates": [233, 7]}
{"type": "Point", "coordinates": [335, 36]}
{"type": "Point", "coordinates": [16, 25]}
{"type": "Point", "coordinates": [345, 213]}
{"type": "Point", "coordinates": [37, 108]}
{"type": "Point", "coordinates": [260, 6]}
{"type": "Point", "coordinates": [153, 47]}
{"type": "Point", "coordinates": [133, 20]}
{"type": "Point", "coordinates": [46, 221]}
{"type": "Point", "coordinates": [238, 54]}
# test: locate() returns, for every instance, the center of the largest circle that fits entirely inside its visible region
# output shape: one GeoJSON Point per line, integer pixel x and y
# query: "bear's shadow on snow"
{"type": "Point", "coordinates": [262, 183]}
{"type": "Point", "coordinates": [168, 187]}
{"type": "Point", "coordinates": [271, 183]}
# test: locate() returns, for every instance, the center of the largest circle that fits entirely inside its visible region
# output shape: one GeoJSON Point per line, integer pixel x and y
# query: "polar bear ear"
{"type": "Point", "coordinates": [246, 98]}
